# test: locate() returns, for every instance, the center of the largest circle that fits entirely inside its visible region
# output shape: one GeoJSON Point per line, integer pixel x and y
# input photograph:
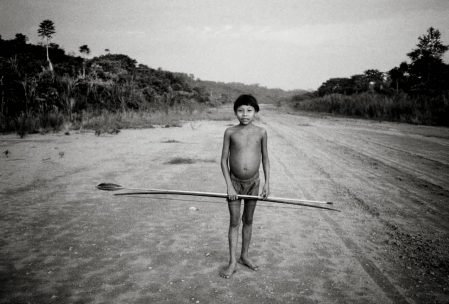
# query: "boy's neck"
{"type": "Point", "coordinates": [247, 125]}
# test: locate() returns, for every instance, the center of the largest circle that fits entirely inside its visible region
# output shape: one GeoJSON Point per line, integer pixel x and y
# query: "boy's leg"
{"type": "Point", "coordinates": [247, 219]}
{"type": "Point", "coordinates": [233, 235]}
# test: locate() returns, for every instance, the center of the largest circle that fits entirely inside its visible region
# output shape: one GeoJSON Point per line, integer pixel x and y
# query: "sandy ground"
{"type": "Point", "coordinates": [63, 241]}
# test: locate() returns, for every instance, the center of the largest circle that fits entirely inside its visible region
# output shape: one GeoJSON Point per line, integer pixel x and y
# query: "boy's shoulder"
{"type": "Point", "coordinates": [231, 129]}
{"type": "Point", "coordinates": [260, 130]}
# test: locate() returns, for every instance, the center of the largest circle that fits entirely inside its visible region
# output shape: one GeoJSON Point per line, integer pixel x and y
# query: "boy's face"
{"type": "Point", "coordinates": [245, 114]}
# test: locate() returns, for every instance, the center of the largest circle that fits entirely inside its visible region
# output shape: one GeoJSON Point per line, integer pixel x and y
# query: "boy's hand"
{"type": "Point", "coordinates": [265, 191]}
{"type": "Point", "coordinates": [232, 194]}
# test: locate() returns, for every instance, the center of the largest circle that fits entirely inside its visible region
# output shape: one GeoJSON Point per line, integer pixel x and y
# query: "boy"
{"type": "Point", "coordinates": [244, 147]}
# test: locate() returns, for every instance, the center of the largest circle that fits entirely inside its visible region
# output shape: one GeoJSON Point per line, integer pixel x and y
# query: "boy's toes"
{"type": "Point", "coordinates": [248, 264]}
{"type": "Point", "coordinates": [228, 272]}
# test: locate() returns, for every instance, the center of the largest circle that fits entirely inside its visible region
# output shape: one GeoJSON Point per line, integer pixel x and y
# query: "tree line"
{"type": "Point", "coordinates": [41, 86]}
{"type": "Point", "coordinates": [416, 92]}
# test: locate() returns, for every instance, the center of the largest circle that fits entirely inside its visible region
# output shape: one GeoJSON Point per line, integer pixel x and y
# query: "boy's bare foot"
{"type": "Point", "coordinates": [227, 272]}
{"type": "Point", "coordinates": [248, 263]}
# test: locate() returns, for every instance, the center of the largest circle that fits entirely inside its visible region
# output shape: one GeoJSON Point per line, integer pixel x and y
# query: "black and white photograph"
{"type": "Point", "coordinates": [206, 151]}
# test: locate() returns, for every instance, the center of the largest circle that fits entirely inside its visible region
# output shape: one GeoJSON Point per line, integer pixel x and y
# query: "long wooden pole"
{"type": "Point", "coordinates": [288, 201]}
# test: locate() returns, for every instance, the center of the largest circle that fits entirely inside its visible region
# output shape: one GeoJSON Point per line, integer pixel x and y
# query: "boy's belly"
{"type": "Point", "coordinates": [244, 166]}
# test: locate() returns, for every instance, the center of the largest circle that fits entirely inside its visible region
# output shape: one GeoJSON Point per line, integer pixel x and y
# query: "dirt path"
{"type": "Point", "coordinates": [63, 241]}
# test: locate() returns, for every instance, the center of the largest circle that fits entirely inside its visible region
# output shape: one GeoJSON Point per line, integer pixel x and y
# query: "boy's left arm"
{"type": "Point", "coordinates": [265, 165]}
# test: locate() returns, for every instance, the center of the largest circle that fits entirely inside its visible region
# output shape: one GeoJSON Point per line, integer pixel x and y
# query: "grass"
{"type": "Point", "coordinates": [168, 118]}
{"type": "Point", "coordinates": [132, 119]}
{"type": "Point", "coordinates": [108, 122]}
{"type": "Point", "coordinates": [400, 108]}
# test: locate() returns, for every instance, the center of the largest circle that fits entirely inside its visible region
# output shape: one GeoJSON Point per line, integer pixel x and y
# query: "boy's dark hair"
{"type": "Point", "coordinates": [246, 100]}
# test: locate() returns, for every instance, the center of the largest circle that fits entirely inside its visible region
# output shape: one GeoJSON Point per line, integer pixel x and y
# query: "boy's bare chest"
{"type": "Point", "coordinates": [244, 141]}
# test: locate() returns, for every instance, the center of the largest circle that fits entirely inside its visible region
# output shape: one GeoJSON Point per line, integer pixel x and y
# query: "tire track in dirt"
{"type": "Point", "coordinates": [323, 158]}
{"type": "Point", "coordinates": [353, 139]}
{"type": "Point", "coordinates": [403, 207]}
{"type": "Point", "coordinates": [438, 154]}
{"type": "Point", "coordinates": [417, 155]}
{"type": "Point", "coordinates": [400, 175]}
{"type": "Point", "coordinates": [441, 140]}
{"type": "Point", "coordinates": [424, 175]}
{"type": "Point", "coordinates": [415, 198]}
{"type": "Point", "coordinates": [435, 205]}
{"type": "Point", "coordinates": [418, 143]}
{"type": "Point", "coordinates": [340, 189]}
{"type": "Point", "coordinates": [368, 266]}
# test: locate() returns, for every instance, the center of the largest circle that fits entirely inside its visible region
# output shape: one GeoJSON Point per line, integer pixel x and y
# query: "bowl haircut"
{"type": "Point", "coordinates": [246, 100]}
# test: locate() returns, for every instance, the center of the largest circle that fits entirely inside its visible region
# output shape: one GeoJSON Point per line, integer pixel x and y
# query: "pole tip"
{"type": "Point", "coordinates": [109, 187]}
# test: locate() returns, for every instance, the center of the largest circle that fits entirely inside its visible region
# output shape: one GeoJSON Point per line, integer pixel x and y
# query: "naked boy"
{"type": "Point", "coordinates": [244, 148]}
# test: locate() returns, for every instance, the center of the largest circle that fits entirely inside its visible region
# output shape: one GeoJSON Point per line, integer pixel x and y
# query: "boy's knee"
{"type": "Point", "coordinates": [247, 220]}
{"type": "Point", "coordinates": [235, 222]}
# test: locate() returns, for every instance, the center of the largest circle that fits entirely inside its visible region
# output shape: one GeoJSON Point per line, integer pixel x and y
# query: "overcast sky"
{"type": "Point", "coordinates": [291, 44]}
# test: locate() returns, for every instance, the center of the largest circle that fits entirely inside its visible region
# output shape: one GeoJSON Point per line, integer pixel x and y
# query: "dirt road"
{"type": "Point", "coordinates": [63, 241]}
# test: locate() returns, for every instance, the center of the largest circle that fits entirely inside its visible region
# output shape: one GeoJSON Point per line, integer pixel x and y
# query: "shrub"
{"type": "Point", "coordinates": [399, 107]}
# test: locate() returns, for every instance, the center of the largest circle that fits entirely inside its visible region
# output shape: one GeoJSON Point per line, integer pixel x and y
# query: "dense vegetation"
{"type": "Point", "coordinates": [37, 93]}
{"type": "Point", "coordinates": [415, 92]}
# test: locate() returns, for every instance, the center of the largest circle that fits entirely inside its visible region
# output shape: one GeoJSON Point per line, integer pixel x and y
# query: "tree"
{"type": "Point", "coordinates": [399, 77]}
{"type": "Point", "coordinates": [336, 86]}
{"type": "Point", "coordinates": [429, 46]}
{"type": "Point", "coordinates": [84, 49]}
{"type": "Point", "coordinates": [46, 31]}
{"type": "Point", "coordinates": [21, 38]}
{"type": "Point", "coordinates": [374, 79]}
{"type": "Point", "coordinates": [428, 72]}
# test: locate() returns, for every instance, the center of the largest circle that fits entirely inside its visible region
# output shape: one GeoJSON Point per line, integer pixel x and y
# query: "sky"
{"type": "Point", "coordinates": [287, 44]}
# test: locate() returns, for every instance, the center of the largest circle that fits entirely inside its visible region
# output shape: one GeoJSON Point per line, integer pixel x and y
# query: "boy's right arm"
{"type": "Point", "coordinates": [232, 194]}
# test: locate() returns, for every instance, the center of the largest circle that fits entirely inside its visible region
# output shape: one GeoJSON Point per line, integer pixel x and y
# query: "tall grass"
{"type": "Point", "coordinates": [34, 123]}
{"type": "Point", "coordinates": [400, 107]}
{"type": "Point", "coordinates": [165, 117]}
{"type": "Point", "coordinates": [107, 121]}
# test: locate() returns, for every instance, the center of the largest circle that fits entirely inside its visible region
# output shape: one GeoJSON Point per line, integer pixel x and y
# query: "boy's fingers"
{"type": "Point", "coordinates": [232, 197]}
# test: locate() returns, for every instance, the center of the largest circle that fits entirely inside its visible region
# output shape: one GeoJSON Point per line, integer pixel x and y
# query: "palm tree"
{"type": "Point", "coordinates": [46, 31]}
{"type": "Point", "coordinates": [84, 49]}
